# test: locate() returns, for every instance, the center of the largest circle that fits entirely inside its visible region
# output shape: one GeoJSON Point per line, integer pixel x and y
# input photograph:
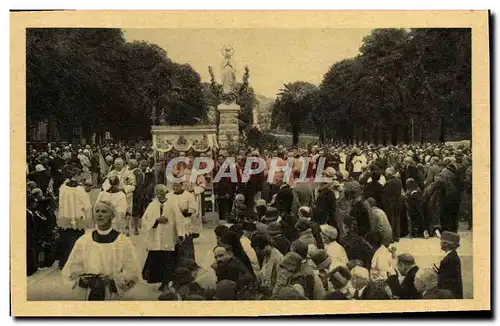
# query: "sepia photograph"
{"type": "Point", "coordinates": [312, 160]}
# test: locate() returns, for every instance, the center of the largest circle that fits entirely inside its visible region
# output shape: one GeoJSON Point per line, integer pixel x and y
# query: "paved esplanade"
{"type": "Point", "coordinates": [46, 284]}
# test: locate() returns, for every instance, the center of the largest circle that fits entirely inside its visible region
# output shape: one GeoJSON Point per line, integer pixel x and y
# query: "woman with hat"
{"type": "Point", "coordinates": [294, 272]}
{"type": "Point", "coordinates": [450, 268]}
{"type": "Point", "coordinates": [40, 177]}
{"type": "Point", "coordinates": [332, 247]}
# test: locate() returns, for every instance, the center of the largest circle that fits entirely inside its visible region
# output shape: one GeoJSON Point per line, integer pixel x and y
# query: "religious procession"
{"type": "Point", "coordinates": [279, 239]}
{"type": "Point", "coordinates": [187, 191]}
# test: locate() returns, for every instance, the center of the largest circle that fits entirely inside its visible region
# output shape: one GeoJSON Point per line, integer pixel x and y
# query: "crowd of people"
{"type": "Point", "coordinates": [284, 238]}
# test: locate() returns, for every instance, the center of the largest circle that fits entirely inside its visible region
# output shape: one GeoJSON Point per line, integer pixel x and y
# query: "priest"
{"type": "Point", "coordinates": [103, 264]}
{"type": "Point", "coordinates": [165, 226]}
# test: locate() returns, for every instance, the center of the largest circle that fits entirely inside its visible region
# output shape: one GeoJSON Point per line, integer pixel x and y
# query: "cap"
{"type": "Point", "coordinates": [260, 202]}
{"type": "Point", "coordinates": [339, 276]}
{"type": "Point", "coordinates": [329, 231]}
{"type": "Point", "coordinates": [450, 237]}
{"type": "Point", "coordinates": [39, 168]}
{"type": "Point", "coordinates": [406, 258]}
{"type": "Point", "coordinates": [273, 228]}
{"type": "Point", "coordinates": [302, 225]}
{"type": "Point", "coordinates": [320, 257]}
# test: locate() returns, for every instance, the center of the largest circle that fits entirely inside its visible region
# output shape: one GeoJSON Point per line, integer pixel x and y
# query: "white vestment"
{"type": "Point", "coordinates": [127, 182]}
{"type": "Point", "coordinates": [187, 201]}
{"type": "Point", "coordinates": [75, 209]}
{"type": "Point", "coordinates": [116, 260]}
{"type": "Point", "coordinates": [164, 236]}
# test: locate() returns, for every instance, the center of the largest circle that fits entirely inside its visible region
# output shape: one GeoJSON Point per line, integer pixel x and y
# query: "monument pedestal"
{"type": "Point", "coordinates": [228, 123]}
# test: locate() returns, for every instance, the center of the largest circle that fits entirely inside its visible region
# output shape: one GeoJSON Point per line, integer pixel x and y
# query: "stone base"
{"type": "Point", "coordinates": [228, 123]}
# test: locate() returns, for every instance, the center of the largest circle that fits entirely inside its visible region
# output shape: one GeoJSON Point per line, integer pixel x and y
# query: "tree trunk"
{"type": "Point", "coordinates": [394, 135]}
{"type": "Point", "coordinates": [376, 135]}
{"type": "Point", "coordinates": [406, 135]}
{"type": "Point", "coordinates": [421, 131]}
{"type": "Point", "coordinates": [295, 134]}
{"type": "Point", "coordinates": [442, 130]}
{"type": "Point", "coordinates": [384, 137]}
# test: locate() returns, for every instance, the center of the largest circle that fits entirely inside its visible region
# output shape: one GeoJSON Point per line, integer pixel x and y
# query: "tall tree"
{"type": "Point", "coordinates": [293, 103]}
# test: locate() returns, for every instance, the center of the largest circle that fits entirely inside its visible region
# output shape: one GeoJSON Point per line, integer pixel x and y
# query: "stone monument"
{"type": "Point", "coordinates": [228, 109]}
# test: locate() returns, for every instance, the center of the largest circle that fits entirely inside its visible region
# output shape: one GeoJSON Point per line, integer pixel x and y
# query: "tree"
{"type": "Point", "coordinates": [85, 81]}
{"type": "Point", "coordinates": [293, 103]}
{"type": "Point", "coordinates": [401, 76]}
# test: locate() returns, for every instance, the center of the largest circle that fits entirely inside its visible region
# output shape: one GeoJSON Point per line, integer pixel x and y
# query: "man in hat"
{"type": "Point", "coordinates": [260, 209]}
{"type": "Point", "coordinates": [271, 258]}
{"type": "Point", "coordinates": [294, 271]}
{"type": "Point", "coordinates": [339, 278]}
{"type": "Point", "coordinates": [402, 284]}
{"type": "Point", "coordinates": [332, 247]}
{"type": "Point", "coordinates": [304, 226]}
{"type": "Point", "coordinates": [277, 238]}
{"type": "Point", "coordinates": [450, 270]}
{"type": "Point", "coordinates": [322, 262]}
{"type": "Point", "coordinates": [40, 177]}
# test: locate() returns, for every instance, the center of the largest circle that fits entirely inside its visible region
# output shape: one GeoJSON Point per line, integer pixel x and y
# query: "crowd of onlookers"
{"type": "Point", "coordinates": [285, 239]}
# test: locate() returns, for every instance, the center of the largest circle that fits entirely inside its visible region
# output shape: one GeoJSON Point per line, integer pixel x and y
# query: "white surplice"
{"type": "Point", "coordinates": [116, 260]}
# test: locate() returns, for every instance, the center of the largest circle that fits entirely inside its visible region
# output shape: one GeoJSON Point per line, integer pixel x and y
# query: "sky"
{"type": "Point", "coordinates": [274, 56]}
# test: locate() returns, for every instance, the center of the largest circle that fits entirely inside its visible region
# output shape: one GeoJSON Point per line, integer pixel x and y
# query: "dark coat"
{"type": "Point", "coordinates": [139, 193]}
{"type": "Point", "coordinates": [284, 200]}
{"type": "Point", "coordinates": [287, 224]}
{"type": "Point", "coordinates": [42, 180]}
{"type": "Point", "coordinates": [231, 270]}
{"type": "Point", "coordinates": [414, 173]}
{"type": "Point", "coordinates": [392, 194]}
{"type": "Point", "coordinates": [436, 293]}
{"type": "Point", "coordinates": [375, 190]}
{"type": "Point", "coordinates": [31, 256]}
{"type": "Point", "coordinates": [406, 289]}
{"type": "Point", "coordinates": [450, 274]}
{"type": "Point", "coordinates": [281, 243]}
{"type": "Point", "coordinates": [335, 295]}
{"type": "Point", "coordinates": [442, 201]}
{"type": "Point", "coordinates": [362, 217]}
{"type": "Point", "coordinates": [357, 247]}
{"type": "Point", "coordinates": [367, 292]}
{"type": "Point", "coordinates": [325, 208]}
